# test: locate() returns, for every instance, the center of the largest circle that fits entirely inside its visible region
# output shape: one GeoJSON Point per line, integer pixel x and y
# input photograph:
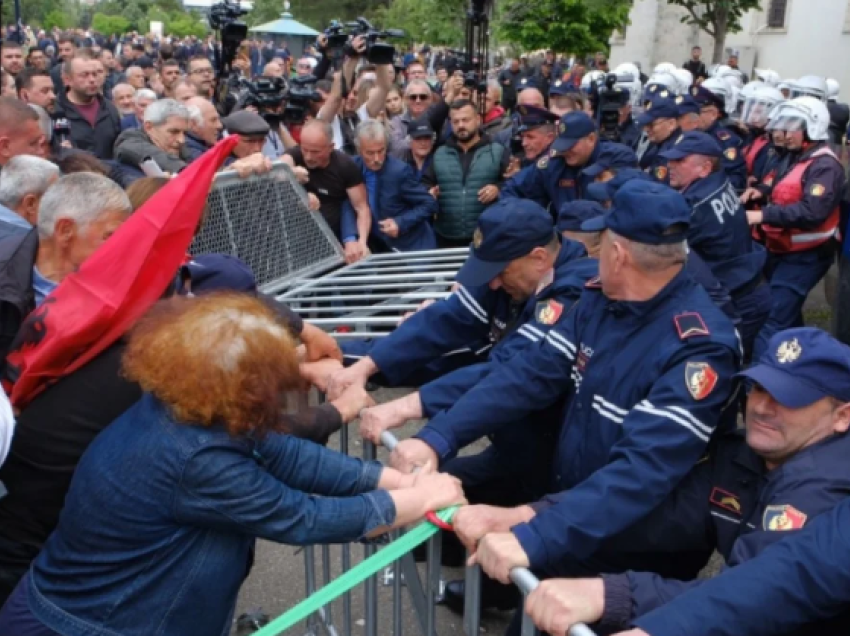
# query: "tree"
{"type": "Point", "coordinates": [265, 11]}
{"type": "Point", "coordinates": [135, 16]}
{"type": "Point", "coordinates": [109, 24]}
{"type": "Point", "coordinates": [717, 18]}
{"type": "Point", "coordinates": [55, 19]}
{"type": "Point", "coordinates": [575, 26]}
{"type": "Point", "coordinates": [438, 22]}
{"type": "Point", "coordinates": [187, 24]}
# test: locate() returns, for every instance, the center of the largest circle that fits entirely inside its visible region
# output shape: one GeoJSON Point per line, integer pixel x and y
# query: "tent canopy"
{"type": "Point", "coordinates": [286, 25]}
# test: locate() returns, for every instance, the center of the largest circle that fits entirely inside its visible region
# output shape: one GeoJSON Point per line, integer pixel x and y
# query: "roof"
{"type": "Point", "coordinates": [206, 4]}
{"type": "Point", "coordinates": [286, 25]}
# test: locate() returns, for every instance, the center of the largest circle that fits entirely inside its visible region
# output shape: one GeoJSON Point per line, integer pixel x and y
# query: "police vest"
{"type": "Point", "coordinates": [752, 151]}
{"type": "Point", "coordinates": [788, 191]}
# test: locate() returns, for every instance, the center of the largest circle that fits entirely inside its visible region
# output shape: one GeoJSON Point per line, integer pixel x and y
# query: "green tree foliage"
{"type": "Point", "coordinates": [56, 18]}
{"type": "Point", "coordinates": [438, 22]}
{"type": "Point", "coordinates": [109, 24]}
{"type": "Point", "coordinates": [265, 11]}
{"type": "Point", "coordinates": [187, 24]}
{"type": "Point", "coordinates": [135, 16]}
{"type": "Point", "coordinates": [576, 26]}
{"type": "Point", "coordinates": [717, 18]}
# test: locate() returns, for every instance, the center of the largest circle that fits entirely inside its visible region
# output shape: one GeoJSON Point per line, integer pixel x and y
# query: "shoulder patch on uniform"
{"type": "Point", "coordinates": [783, 517]}
{"type": "Point", "coordinates": [594, 283]}
{"type": "Point", "coordinates": [547, 312]}
{"type": "Point", "coordinates": [566, 183]}
{"type": "Point", "coordinates": [661, 173]}
{"type": "Point", "coordinates": [725, 500]}
{"type": "Point", "coordinates": [731, 154]}
{"type": "Point", "coordinates": [700, 379]}
{"type": "Point", "coordinates": [544, 161]}
{"type": "Point", "coordinates": [724, 135]}
{"type": "Point", "coordinates": [690, 324]}
{"type": "Point", "coordinates": [817, 190]}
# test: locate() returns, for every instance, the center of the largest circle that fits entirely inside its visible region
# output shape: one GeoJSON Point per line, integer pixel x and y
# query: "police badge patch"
{"type": "Point", "coordinates": [661, 173]}
{"type": "Point", "coordinates": [543, 162]}
{"type": "Point", "coordinates": [477, 238]}
{"type": "Point", "coordinates": [726, 500]}
{"type": "Point", "coordinates": [817, 190]}
{"type": "Point", "coordinates": [782, 518]}
{"type": "Point", "coordinates": [566, 183]}
{"type": "Point", "coordinates": [700, 379]}
{"type": "Point", "coordinates": [730, 154]}
{"type": "Point", "coordinates": [548, 312]}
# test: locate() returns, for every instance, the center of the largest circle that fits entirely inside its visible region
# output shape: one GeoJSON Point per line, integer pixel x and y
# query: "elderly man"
{"type": "Point", "coordinates": [141, 100]}
{"type": "Point", "coordinates": [401, 207]}
{"type": "Point", "coordinates": [758, 488]}
{"type": "Point", "coordinates": [204, 126]}
{"type": "Point", "coordinates": [419, 103]}
{"type": "Point", "coordinates": [162, 139]}
{"type": "Point", "coordinates": [332, 178]}
{"type": "Point", "coordinates": [76, 215]}
{"type": "Point", "coordinates": [135, 77]}
{"type": "Point", "coordinates": [247, 156]}
{"type": "Point", "coordinates": [23, 182]}
{"type": "Point", "coordinates": [631, 437]}
{"type": "Point", "coordinates": [122, 97]}
{"type": "Point", "coordinates": [20, 132]}
{"type": "Point", "coordinates": [36, 87]}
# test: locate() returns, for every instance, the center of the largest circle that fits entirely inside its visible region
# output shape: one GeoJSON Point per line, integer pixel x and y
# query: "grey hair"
{"type": "Point", "coordinates": [81, 197]}
{"type": "Point", "coordinates": [159, 111]}
{"type": "Point", "coordinates": [655, 258]}
{"type": "Point", "coordinates": [23, 175]}
{"type": "Point", "coordinates": [143, 93]}
{"type": "Point", "coordinates": [417, 82]}
{"type": "Point", "coordinates": [493, 85]}
{"type": "Point", "coordinates": [371, 130]}
{"type": "Point", "coordinates": [44, 121]}
{"type": "Point", "coordinates": [195, 116]}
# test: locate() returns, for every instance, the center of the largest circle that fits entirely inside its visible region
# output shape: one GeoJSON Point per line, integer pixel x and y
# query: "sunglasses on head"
{"type": "Point", "coordinates": [418, 97]}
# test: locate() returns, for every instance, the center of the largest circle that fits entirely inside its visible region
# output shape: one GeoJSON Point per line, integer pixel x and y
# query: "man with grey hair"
{"type": "Point", "coordinates": [23, 182]}
{"type": "Point", "coordinates": [142, 98]}
{"type": "Point", "coordinates": [122, 97]}
{"type": "Point", "coordinates": [76, 215]}
{"type": "Point", "coordinates": [401, 215]}
{"type": "Point", "coordinates": [163, 138]}
{"type": "Point", "coordinates": [420, 102]}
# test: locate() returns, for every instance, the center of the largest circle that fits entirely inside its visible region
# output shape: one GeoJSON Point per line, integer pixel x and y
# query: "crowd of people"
{"type": "Point", "coordinates": [633, 285]}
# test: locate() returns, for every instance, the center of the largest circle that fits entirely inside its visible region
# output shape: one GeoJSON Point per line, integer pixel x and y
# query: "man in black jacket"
{"type": "Point", "coordinates": [695, 65]}
{"type": "Point", "coordinates": [94, 121]}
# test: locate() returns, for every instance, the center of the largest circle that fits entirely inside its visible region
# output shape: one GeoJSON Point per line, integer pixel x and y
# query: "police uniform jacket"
{"type": "Point", "coordinates": [560, 291]}
{"type": "Point", "coordinates": [720, 234]}
{"type": "Point", "coordinates": [733, 157]}
{"type": "Point", "coordinates": [646, 385]}
{"type": "Point", "coordinates": [653, 163]}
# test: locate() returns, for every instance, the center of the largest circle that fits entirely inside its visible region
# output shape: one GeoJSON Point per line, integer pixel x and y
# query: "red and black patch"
{"type": "Point", "coordinates": [726, 500]}
{"type": "Point", "coordinates": [690, 324]}
{"type": "Point", "coordinates": [566, 183]}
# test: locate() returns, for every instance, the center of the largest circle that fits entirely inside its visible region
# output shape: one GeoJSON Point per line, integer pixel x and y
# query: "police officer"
{"type": "Point", "coordinates": [799, 221]}
{"type": "Point", "coordinates": [572, 215]}
{"type": "Point", "coordinates": [536, 130]}
{"type": "Point", "coordinates": [660, 123]}
{"type": "Point", "coordinates": [688, 114]}
{"type": "Point", "coordinates": [472, 317]}
{"type": "Point", "coordinates": [757, 488]}
{"type": "Point", "coordinates": [557, 90]}
{"type": "Point", "coordinates": [627, 127]}
{"type": "Point", "coordinates": [615, 158]}
{"type": "Point", "coordinates": [630, 436]}
{"type": "Point", "coordinates": [558, 178]}
{"type": "Point", "coordinates": [759, 149]}
{"type": "Point", "coordinates": [719, 231]}
{"type": "Point", "coordinates": [712, 110]}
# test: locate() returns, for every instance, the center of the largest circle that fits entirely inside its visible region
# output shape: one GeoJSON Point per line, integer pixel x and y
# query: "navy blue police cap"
{"type": "Point", "coordinates": [801, 366]}
{"type": "Point", "coordinates": [705, 97]}
{"type": "Point", "coordinates": [573, 213]}
{"type": "Point", "coordinates": [572, 128]}
{"type": "Point", "coordinates": [614, 156]}
{"type": "Point", "coordinates": [507, 230]}
{"type": "Point", "coordinates": [605, 190]}
{"type": "Point", "coordinates": [526, 82]}
{"type": "Point", "coordinates": [687, 105]}
{"type": "Point", "coordinates": [658, 108]}
{"type": "Point", "coordinates": [560, 87]}
{"type": "Point", "coordinates": [531, 117]}
{"type": "Point", "coordinates": [420, 128]}
{"type": "Point", "coordinates": [210, 272]}
{"type": "Point", "coordinates": [645, 212]}
{"type": "Point", "coordinates": [693, 143]}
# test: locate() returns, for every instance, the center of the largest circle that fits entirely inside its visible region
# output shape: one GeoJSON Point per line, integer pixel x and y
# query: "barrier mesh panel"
{"type": "Point", "coordinates": [265, 222]}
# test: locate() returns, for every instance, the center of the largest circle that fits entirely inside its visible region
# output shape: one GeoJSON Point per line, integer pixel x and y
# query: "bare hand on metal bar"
{"type": "Point", "coordinates": [383, 417]}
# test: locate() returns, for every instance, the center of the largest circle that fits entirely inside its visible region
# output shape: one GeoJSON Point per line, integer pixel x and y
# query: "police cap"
{"type": "Point", "coordinates": [507, 230]}
{"type": "Point", "coordinates": [209, 272]}
{"type": "Point", "coordinates": [645, 212]}
{"type": "Point", "coordinates": [560, 87]}
{"type": "Point", "coordinates": [531, 117]}
{"type": "Point", "coordinates": [693, 143]}
{"type": "Point", "coordinates": [659, 108]}
{"type": "Point", "coordinates": [246, 123]}
{"type": "Point", "coordinates": [573, 213]}
{"type": "Point", "coordinates": [572, 128]}
{"type": "Point", "coordinates": [801, 366]}
{"type": "Point", "coordinates": [526, 82]}
{"type": "Point", "coordinates": [705, 97]}
{"type": "Point", "coordinates": [687, 105]}
{"type": "Point", "coordinates": [614, 156]}
{"type": "Point", "coordinates": [605, 190]}
{"type": "Point", "coordinates": [420, 129]}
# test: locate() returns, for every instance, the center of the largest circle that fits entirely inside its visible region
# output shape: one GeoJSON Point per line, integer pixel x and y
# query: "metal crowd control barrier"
{"type": "Point", "coordinates": [264, 220]}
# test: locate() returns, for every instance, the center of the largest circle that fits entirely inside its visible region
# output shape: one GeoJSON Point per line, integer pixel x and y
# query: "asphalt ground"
{"type": "Point", "coordinates": [277, 580]}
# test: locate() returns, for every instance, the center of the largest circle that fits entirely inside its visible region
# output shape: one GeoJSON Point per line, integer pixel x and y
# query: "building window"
{"type": "Point", "coordinates": [776, 14]}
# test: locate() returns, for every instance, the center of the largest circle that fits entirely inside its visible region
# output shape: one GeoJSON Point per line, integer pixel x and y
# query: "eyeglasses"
{"type": "Point", "coordinates": [199, 71]}
{"type": "Point", "coordinates": [418, 97]}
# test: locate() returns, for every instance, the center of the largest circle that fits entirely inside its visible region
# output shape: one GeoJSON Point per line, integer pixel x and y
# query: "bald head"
{"type": "Point", "coordinates": [316, 144]}
{"type": "Point", "coordinates": [531, 97]}
{"type": "Point", "coordinates": [273, 69]}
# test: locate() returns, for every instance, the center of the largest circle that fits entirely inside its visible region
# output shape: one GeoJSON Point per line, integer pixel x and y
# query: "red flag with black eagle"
{"type": "Point", "coordinates": [96, 305]}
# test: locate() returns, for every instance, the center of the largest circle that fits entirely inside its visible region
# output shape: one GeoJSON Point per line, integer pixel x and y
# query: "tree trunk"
{"type": "Point", "coordinates": [721, 24]}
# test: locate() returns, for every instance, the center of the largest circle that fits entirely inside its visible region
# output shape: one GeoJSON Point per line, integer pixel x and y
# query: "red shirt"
{"type": "Point", "coordinates": [89, 111]}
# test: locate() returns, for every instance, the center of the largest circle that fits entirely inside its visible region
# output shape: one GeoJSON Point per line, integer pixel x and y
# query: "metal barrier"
{"type": "Point", "coordinates": [264, 220]}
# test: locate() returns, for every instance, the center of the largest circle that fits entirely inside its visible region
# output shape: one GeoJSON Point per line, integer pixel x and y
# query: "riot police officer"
{"type": "Point", "coordinates": [799, 221]}
{"type": "Point", "coordinates": [712, 105]}
{"type": "Point", "coordinates": [759, 150]}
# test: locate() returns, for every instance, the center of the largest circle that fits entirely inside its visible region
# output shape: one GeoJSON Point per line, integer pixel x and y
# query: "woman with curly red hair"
{"type": "Point", "coordinates": [166, 503]}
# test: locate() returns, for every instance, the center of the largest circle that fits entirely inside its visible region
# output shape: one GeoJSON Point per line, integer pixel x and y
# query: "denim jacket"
{"type": "Point", "coordinates": [161, 516]}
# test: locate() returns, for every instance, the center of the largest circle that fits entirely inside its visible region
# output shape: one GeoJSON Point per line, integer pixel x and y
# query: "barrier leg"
{"type": "Point", "coordinates": [310, 585]}
{"type": "Point", "coordinates": [371, 584]}
{"type": "Point", "coordinates": [435, 549]}
{"type": "Point", "coordinates": [472, 600]}
{"type": "Point", "coordinates": [398, 599]}
{"type": "Point", "coordinates": [346, 548]}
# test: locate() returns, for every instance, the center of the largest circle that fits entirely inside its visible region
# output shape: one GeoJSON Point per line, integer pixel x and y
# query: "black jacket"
{"type": "Point", "coordinates": [839, 118]}
{"type": "Point", "coordinates": [696, 68]}
{"type": "Point", "coordinates": [98, 140]}
{"type": "Point", "coordinates": [18, 247]}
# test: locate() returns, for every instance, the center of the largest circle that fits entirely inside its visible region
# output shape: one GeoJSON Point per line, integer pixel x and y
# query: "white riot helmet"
{"type": "Point", "coordinates": [733, 76]}
{"type": "Point", "coordinates": [628, 77]}
{"type": "Point", "coordinates": [803, 113]}
{"type": "Point", "coordinates": [716, 70]}
{"type": "Point", "coordinates": [664, 67]}
{"type": "Point", "coordinates": [768, 76]}
{"type": "Point", "coordinates": [684, 78]}
{"type": "Point", "coordinates": [758, 103]}
{"type": "Point", "coordinates": [668, 80]}
{"type": "Point", "coordinates": [809, 86]}
{"type": "Point", "coordinates": [591, 77]}
{"type": "Point", "coordinates": [832, 89]}
{"type": "Point", "coordinates": [720, 88]}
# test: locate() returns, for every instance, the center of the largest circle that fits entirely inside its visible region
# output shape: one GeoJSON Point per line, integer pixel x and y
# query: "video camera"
{"type": "Point", "coordinates": [224, 16]}
{"type": "Point", "coordinates": [376, 52]}
{"type": "Point", "coordinates": [337, 37]}
{"type": "Point", "coordinates": [611, 98]}
{"type": "Point", "coordinates": [302, 91]}
{"type": "Point", "coordinates": [264, 92]}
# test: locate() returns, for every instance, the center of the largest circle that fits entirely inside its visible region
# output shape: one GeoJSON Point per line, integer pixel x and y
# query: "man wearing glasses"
{"type": "Point", "coordinates": [419, 101]}
{"type": "Point", "coordinates": [201, 75]}
{"type": "Point", "coordinates": [660, 121]}
{"type": "Point", "coordinates": [304, 67]}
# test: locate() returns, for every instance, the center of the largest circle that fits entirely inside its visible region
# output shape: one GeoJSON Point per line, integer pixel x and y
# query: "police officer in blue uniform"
{"type": "Point", "coordinates": [628, 129]}
{"type": "Point", "coordinates": [757, 486]}
{"type": "Point", "coordinates": [660, 122]}
{"type": "Point", "coordinates": [643, 365]}
{"type": "Point", "coordinates": [540, 120]}
{"type": "Point", "coordinates": [719, 230]}
{"type": "Point", "coordinates": [688, 114]}
{"type": "Point", "coordinates": [559, 178]}
{"type": "Point", "coordinates": [712, 112]}
{"type": "Point", "coordinates": [471, 318]}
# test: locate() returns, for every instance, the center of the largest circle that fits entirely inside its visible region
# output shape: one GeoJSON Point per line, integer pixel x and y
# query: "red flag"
{"type": "Point", "coordinates": [93, 307]}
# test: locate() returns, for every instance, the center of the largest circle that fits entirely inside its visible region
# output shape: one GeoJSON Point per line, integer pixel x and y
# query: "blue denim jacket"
{"type": "Point", "coordinates": [160, 518]}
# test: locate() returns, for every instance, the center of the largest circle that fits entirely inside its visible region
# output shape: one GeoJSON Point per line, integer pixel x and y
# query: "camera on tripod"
{"type": "Point", "coordinates": [224, 16]}
{"type": "Point", "coordinates": [376, 52]}
{"type": "Point", "coordinates": [612, 98]}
